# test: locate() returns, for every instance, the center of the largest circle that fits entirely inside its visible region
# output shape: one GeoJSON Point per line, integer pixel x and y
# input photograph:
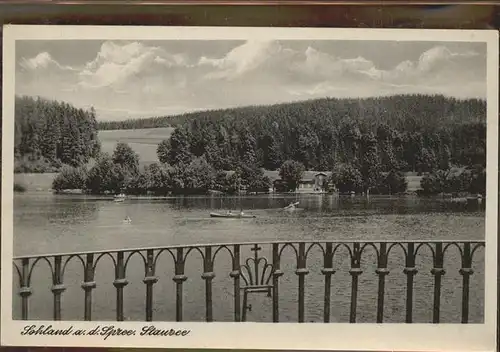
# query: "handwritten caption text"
{"type": "Point", "coordinates": [104, 331]}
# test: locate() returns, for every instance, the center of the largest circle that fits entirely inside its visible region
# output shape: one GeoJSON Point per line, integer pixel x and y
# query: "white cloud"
{"type": "Point", "coordinates": [439, 55]}
{"type": "Point", "coordinates": [243, 57]}
{"type": "Point", "coordinates": [118, 54]}
{"type": "Point", "coordinates": [266, 58]}
{"type": "Point", "coordinates": [247, 59]}
{"type": "Point", "coordinates": [115, 64]}
{"type": "Point", "coordinates": [42, 61]}
{"type": "Point", "coordinates": [138, 77]}
{"type": "Point", "coordinates": [320, 63]}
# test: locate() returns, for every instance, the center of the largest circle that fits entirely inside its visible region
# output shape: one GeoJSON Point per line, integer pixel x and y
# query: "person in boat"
{"type": "Point", "coordinates": [127, 219]}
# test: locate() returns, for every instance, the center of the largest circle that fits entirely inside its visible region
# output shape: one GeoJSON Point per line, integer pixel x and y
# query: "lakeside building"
{"type": "Point", "coordinates": [311, 182]}
{"type": "Point", "coordinates": [317, 181]}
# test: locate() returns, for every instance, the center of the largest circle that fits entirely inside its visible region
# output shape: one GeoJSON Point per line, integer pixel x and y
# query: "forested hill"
{"type": "Point", "coordinates": [399, 111]}
{"type": "Point", "coordinates": [406, 133]}
{"type": "Point", "coordinates": [49, 134]}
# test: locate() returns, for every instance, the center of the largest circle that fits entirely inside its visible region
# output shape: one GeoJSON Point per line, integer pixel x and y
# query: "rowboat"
{"type": "Point", "coordinates": [291, 206]}
{"type": "Point", "coordinates": [232, 216]}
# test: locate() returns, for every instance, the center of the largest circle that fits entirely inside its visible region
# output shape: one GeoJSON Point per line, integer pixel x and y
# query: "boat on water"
{"type": "Point", "coordinates": [120, 198]}
{"type": "Point", "coordinates": [230, 215]}
{"type": "Point", "coordinates": [291, 206]}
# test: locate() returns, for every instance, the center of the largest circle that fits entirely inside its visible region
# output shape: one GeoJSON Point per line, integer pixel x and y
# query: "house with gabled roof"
{"type": "Point", "coordinates": [312, 181]}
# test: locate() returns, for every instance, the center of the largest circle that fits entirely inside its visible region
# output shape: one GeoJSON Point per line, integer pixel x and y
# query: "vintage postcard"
{"type": "Point", "coordinates": [249, 188]}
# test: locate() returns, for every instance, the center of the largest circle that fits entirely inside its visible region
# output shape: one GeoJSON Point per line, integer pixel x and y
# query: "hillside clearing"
{"type": "Point", "coordinates": [143, 141]}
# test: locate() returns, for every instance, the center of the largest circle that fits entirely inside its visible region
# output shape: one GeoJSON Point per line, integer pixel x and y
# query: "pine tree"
{"type": "Point", "coordinates": [292, 172]}
{"type": "Point", "coordinates": [248, 148]}
{"type": "Point", "coordinates": [370, 165]}
{"type": "Point", "coordinates": [275, 156]}
{"type": "Point", "coordinates": [105, 176]}
{"type": "Point", "coordinates": [124, 156]}
{"type": "Point", "coordinates": [346, 178]}
{"type": "Point", "coordinates": [213, 153]}
{"type": "Point", "coordinates": [444, 158]}
{"type": "Point", "coordinates": [49, 134]}
{"type": "Point", "coordinates": [179, 151]}
{"type": "Point", "coordinates": [426, 161]}
{"type": "Point", "coordinates": [163, 151]}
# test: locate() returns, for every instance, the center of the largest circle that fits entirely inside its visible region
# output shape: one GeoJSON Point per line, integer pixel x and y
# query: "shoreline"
{"type": "Point", "coordinates": [41, 183]}
{"type": "Point", "coordinates": [111, 197]}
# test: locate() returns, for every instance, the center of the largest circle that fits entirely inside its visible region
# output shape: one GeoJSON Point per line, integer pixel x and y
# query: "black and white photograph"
{"type": "Point", "coordinates": [196, 175]}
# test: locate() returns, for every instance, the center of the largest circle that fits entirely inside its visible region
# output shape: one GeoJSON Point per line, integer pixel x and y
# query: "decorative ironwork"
{"type": "Point", "coordinates": [254, 274]}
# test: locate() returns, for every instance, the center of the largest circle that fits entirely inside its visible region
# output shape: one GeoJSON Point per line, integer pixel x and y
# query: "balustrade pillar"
{"type": "Point", "coordinates": [382, 272]}
{"type": "Point", "coordinates": [327, 271]}
{"type": "Point", "coordinates": [25, 291]}
{"type": "Point", "coordinates": [119, 283]}
{"type": "Point", "coordinates": [235, 275]}
{"type": "Point", "coordinates": [57, 288]}
{"type": "Point", "coordinates": [149, 280]}
{"type": "Point", "coordinates": [355, 272]}
{"type": "Point", "coordinates": [466, 271]}
{"type": "Point", "coordinates": [179, 279]}
{"type": "Point", "coordinates": [301, 272]}
{"type": "Point", "coordinates": [410, 271]}
{"type": "Point", "coordinates": [208, 275]}
{"type": "Point", "coordinates": [88, 285]}
{"type": "Point", "coordinates": [438, 272]}
{"type": "Point", "coordinates": [276, 275]}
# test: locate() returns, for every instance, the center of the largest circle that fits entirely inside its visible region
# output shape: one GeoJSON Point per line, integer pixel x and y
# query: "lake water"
{"type": "Point", "coordinates": [44, 223]}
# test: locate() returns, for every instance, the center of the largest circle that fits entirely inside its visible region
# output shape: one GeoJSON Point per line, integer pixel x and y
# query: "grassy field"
{"type": "Point", "coordinates": [143, 141]}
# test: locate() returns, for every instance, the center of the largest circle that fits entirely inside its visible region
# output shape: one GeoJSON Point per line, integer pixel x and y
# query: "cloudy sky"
{"type": "Point", "coordinates": [141, 79]}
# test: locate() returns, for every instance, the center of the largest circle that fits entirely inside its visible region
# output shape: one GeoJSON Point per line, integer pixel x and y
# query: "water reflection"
{"type": "Point", "coordinates": [46, 223]}
{"type": "Point", "coordinates": [56, 209]}
{"type": "Point", "coordinates": [329, 203]}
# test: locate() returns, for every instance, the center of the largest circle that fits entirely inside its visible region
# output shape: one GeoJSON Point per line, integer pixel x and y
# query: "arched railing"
{"type": "Point", "coordinates": [255, 274]}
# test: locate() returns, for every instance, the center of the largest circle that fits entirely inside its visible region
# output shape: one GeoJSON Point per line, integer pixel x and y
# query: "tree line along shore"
{"type": "Point", "coordinates": [365, 145]}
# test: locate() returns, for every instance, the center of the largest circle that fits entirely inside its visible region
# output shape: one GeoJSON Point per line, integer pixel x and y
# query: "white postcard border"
{"type": "Point", "coordinates": [284, 336]}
